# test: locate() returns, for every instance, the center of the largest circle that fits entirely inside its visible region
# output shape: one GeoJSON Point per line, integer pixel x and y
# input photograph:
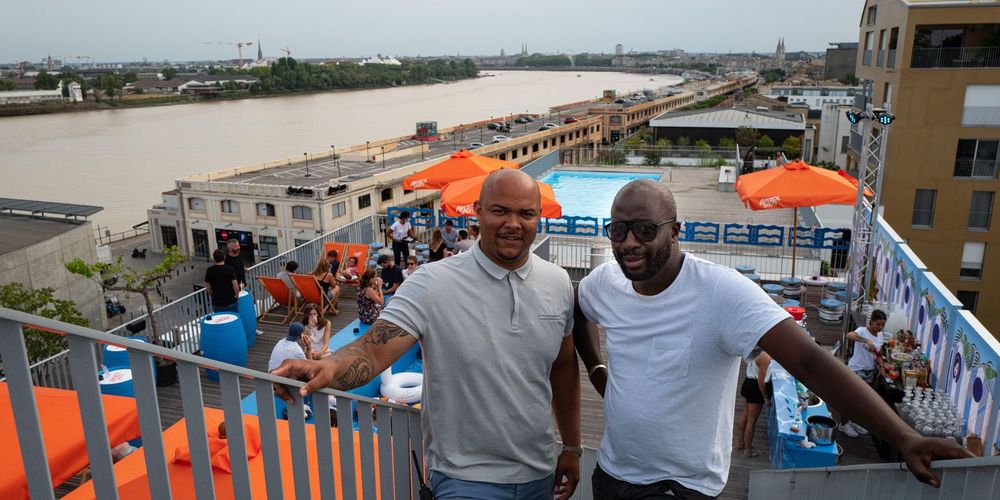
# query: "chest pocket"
{"type": "Point", "coordinates": [668, 360]}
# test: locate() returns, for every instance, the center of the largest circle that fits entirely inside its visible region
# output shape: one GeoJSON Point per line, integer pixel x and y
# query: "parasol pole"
{"type": "Point", "coordinates": [795, 223]}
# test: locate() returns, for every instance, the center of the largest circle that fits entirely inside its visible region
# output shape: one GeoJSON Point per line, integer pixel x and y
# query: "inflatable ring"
{"type": "Point", "coordinates": [404, 387]}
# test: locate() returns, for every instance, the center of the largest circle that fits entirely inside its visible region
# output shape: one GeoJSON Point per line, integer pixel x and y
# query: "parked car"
{"type": "Point", "coordinates": [619, 101]}
{"type": "Point", "coordinates": [475, 145]}
{"type": "Point", "coordinates": [571, 119]}
{"type": "Point", "coordinates": [548, 126]}
{"type": "Point", "coordinates": [528, 119]}
{"type": "Point", "coordinates": [494, 126]}
{"type": "Point", "coordinates": [500, 138]}
{"type": "Point", "coordinates": [521, 119]}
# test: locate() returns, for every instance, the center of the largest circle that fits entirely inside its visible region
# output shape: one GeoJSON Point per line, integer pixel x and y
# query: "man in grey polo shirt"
{"type": "Point", "coordinates": [498, 357]}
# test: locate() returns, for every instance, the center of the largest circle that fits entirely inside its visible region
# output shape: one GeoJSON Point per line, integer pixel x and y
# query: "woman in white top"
{"type": "Point", "coordinates": [756, 392]}
{"type": "Point", "coordinates": [867, 342]}
{"type": "Point", "coordinates": [317, 331]}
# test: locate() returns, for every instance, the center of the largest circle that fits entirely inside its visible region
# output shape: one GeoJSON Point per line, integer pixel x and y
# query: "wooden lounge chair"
{"type": "Point", "coordinates": [360, 251]}
{"type": "Point", "coordinates": [282, 297]}
{"type": "Point", "coordinates": [341, 249]}
{"type": "Point", "coordinates": [312, 292]}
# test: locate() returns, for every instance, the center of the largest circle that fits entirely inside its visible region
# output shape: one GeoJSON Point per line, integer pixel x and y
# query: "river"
{"type": "Point", "coordinates": [123, 159]}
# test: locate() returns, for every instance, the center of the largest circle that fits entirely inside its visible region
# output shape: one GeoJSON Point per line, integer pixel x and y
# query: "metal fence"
{"type": "Point", "coordinates": [981, 116]}
{"type": "Point", "coordinates": [984, 169]}
{"type": "Point", "coordinates": [956, 57]}
{"type": "Point", "coordinates": [385, 466]}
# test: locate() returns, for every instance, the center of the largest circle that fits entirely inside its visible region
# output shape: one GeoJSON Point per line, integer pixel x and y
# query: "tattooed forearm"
{"type": "Point", "coordinates": [358, 373]}
{"type": "Point", "coordinates": [383, 331]}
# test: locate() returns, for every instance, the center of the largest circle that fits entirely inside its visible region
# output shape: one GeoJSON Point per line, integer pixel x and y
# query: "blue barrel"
{"type": "Point", "coordinates": [831, 304]}
{"type": "Point", "coordinates": [836, 286]}
{"type": "Point", "coordinates": [753, 277]}
{"type": "Point", "coordinates": [789, 281]}
{"type": "Point", "coordinates": [421, 246]}
{"type": "Point", "coordinates": [772, 288]}
{"type": "Point", "coordinates": [117, 357]}
{"type": "Point", "coordinates": [248, 315]}
{"type": "Point", "coordinates": [222, 339]}
{"type": "Point", "coordinates": [118, 382]}
{"type": "Point", "coordinates": [790, 303]}
{"type": "Point", "coordinates": [745, 269]}
{"type": "Point", "coordinates": [842, 296]}
{"type": "Point", "coordinates": [376, 245]}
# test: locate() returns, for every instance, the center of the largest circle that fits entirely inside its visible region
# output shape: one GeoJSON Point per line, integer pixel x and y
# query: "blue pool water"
{"type": "Point", "coordinates": [589, 194]}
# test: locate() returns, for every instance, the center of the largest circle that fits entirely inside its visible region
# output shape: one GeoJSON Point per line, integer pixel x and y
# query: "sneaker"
{"type": "Point", "coordinates": [859, 429]}
{"type": "Point", "coordinates": [260, 332]}
{"type": "Point", "coordinates": [848, 430]}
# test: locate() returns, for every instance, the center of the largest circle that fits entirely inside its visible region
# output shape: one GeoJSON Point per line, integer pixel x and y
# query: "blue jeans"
{"type": "Point", "coordinates": [446, 488]}
{"type": "Point", "coordinates": [233, 308]}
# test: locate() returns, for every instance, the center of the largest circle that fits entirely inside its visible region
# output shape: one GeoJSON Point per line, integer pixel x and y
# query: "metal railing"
{"type": "Point", "coordinates": [102, 236]}
{"type": "Point", "coordinates": [966, 479]}
{"type": "Point", "coordinates": [867, 58]}
{"type": "Point", "coordinates": [981, 116]}
{"type": "Point", "coordinates": [956, 57]}
{"type": "Point", "coordinates": [398, 431]}
{"type": "Point", "coordinates": [985, 169]}
{"type": "Point", "coordinates": [890, 59]}
{"type": "Point", "coordinates": [880, 58]}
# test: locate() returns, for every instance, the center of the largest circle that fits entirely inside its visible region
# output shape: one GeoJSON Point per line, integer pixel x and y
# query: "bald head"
{"type": "Point", "coordinates": [509, 182]}
{"type": "Point", "coordinates": [654, 195]}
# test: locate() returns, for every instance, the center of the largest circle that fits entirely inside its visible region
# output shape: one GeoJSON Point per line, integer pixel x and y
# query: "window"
{"type": "Point", "coordinates": [302, 212]}
{"type": "Point", "coordinates": [230, 207]}
{"type": "Point", "coordinates": [524, 151]}
{"type": "Point", "coordinates": [972, 260]}
{"type": "Point", "coordinates": [981, 210]}
{"type": "Point", "coordinates": [968, 299]}
{"type": "Point", "coordinates": [844, 142]}
{"type": "Point", "coordinates": [891, 54]}
{"type": "Point", "coordinates": [407, 191]}
{"type": "Point", "coordinates": [197, 204]}
{"type": "Point", "coordinates": [513, 155]}
{"type": "Point", "coordinates": [387, 194]}
{"type": "Point", "coordinates": [299, 242]}
{"type": "Point", "coordinates": [869, 45]}
{"type": "Point", "coordinates": [339, 209]}
{"type": "Point", "coordinates": [545, 144]}
{"type": "Point", "coordinates": [883, 41]}
{"type": "Point", "coordinates": [364, 201]}
{"type": "Point", "coordinates": [872, 15]}
{"type": "Point", "coordinates": [923, 207]}
{"type": "Point", "coordinates": [980, 109]}
{"type": "Point", "coordinates": [268, 247]}
{"type": "Point", "coordinates": [887, 94]}
{"type": "Point", "coordinates": [265, 210]}
{"type": "Point", "coordinates": [976, 158]}
{"type": "Point", "coordinates": [503, 156]}
{"type": "Point", "coordinates": [534, 148]}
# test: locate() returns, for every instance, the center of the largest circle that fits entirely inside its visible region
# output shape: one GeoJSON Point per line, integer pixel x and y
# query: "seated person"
{"type": "Point", "coordinates": [411, 266]}
{"type": "Point", "coordinates": [392, 275]}
{"type": "Point", "coordinates": [290, 267]}
{"type": "Point", "coordinates": [334, 260]}
{"type": "Point", "coordinates": [326, 281]}
{"type": "Point", "coordinates": [464, 243]}
{"type": "Point", "coordinates": [290, 347]}
{"type": "Point", "coordinates": [351, 272]}
{"type": "Point", "coordinates": [370, 297]}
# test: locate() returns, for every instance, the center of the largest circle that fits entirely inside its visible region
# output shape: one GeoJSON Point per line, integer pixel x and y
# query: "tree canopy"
{"type": "Point", "coordinates": [41, 302]}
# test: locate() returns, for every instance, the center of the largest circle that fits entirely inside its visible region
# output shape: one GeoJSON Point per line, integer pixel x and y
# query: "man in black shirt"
{"type": "Point", "coordinates": [234, 259]}
{"type": "Point", "coordinates": [392, 275]}
{"type": "Point", "coordinates": [221, 283]}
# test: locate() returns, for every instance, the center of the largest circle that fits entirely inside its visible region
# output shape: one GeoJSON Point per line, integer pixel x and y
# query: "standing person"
{"type": "Point", "coordinates": [437, 247]}
{"type": "Point", "coordinates": [464, 243]}
{"type": "Point", "coordinates": [234, 259]}
{"type": "Point", "coordinates": [317, 331]}
{"type": "Point", "coordinates": [392, 275]}
{"type": "Point", "coordinates": [673, 364]}
{"type": "Point", "coordinates": [221, 283]}
{"type": "Point", "coordinates": [450, 235]}
{"type": "Point", "coordinates": [411, 266]}
{"type": "Point", "coordinates": [401, 233]}
{"type": "Point", "coordinates": [499, 360]}
{"type": "Point", "coordinates": [756, 392]}
{"type": "Point", "coordinates": [290, 347]}
{"type": "Point", "coordinates": [371, 300]}
{"type": "Point", "coordinates": [867, 341]}
{"type": "Point", "coordinates": [328, 283]}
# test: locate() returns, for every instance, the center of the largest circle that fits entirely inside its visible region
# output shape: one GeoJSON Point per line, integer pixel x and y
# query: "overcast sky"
{"type": "Point", "coordinates": [115, 31]}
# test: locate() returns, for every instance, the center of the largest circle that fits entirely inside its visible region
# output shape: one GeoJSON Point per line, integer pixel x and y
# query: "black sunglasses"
{"type": "Point", "coordinates": [644, 230]}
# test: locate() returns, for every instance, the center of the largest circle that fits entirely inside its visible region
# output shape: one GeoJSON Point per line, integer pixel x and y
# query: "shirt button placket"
{"type": "Point", "coordinates": [517, 305]}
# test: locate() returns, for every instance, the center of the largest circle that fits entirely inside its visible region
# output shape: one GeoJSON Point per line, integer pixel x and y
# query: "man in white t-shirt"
{"type": "Point", "coordinates": [401, 233]}
{"type": "Point", "coordinates": [290, 347]}
{"type": "Point", "coordinates": [676, 328]}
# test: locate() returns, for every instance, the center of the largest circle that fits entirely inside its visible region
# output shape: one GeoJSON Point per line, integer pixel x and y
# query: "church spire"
{"type": "Point", "coordinates": [260, 51]}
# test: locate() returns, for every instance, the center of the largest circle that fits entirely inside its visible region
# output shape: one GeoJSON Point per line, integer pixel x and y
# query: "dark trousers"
{"type": "Point", "coordinates": [400, 251]}
{"type": "Point", "coordinates": [609, 488]}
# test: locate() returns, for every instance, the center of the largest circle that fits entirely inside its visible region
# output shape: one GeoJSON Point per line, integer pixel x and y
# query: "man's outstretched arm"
{"type": "Point", "coordinates": [351, 366]}
{"type": "Point", "coordinates": [842, 389]}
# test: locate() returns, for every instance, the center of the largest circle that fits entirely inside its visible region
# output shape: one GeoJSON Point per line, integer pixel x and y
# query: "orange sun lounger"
{"type": "Point", "coordinates": [359, 250]}
{"type": "Point", "coordinates": [130, 473]}
{"type": "Point", "coordinates": [282, 297]}
{"type": "Point", "coordinates": [312, 292]}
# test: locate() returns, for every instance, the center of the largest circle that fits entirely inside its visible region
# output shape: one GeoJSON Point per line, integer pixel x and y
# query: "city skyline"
{"type": "Point", "coordinates": [405, 29]}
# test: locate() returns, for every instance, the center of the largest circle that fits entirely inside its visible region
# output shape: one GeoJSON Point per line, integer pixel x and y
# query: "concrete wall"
{"type": "Point", "coordinates": [833, 127]}
{"type": "Point", "coordinates": [41, 265]}
{"type": "Point", "coordinates": [839, 62]}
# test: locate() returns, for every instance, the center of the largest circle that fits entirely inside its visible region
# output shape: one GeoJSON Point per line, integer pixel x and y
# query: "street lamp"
{"type": "Point", "coordinates": [336, 159]}
{"type": "Point", "coordinates": [307, 164]}
{"type": "Point", "coordinates": [368, 155]}
{"type": "Point", "coordinates": [525, 121]}
{"type": "Point", "coordinates": [383, 156]}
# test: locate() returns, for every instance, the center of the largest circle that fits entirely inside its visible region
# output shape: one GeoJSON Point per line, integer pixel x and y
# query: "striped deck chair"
{"type": "Point", "coordinates": [361, 251]}
{"type": "Point", "coordinates": [283, 297]}
{"type": "Point", "coordinates": [312, 292]}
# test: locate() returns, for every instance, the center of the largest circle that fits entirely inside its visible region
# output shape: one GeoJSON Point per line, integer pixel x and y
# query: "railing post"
{"type": "Point", "coordinates": [22, 402]}
{"type": "Point", "coordinates": [83, 364]}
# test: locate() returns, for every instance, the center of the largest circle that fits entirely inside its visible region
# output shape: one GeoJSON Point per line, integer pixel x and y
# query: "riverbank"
{"type": "Point", "coordinates": [153, 100]}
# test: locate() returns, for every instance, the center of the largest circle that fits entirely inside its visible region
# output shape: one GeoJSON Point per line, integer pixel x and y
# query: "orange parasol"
{"type": "Point", "coordinates": [461, 165]}
{"type": "Point", "coordinates": [854, 181]}
{"type": "Point", "coordinates": [458, 198]}
{"type": "Point", "coordinates": [793, 185]}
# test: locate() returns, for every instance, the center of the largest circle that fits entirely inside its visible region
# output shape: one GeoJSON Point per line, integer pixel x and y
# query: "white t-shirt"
{"type": "Point", "coordinates": [862, 359]}
{"type": "Point", "coordinates": [673, 363]}
{"type": "Point", "coordinates": [285, 349]}
{"type": "Point", "coordinates": [315, 336]}
{"type": "Point", "coordinates": [400, 231]}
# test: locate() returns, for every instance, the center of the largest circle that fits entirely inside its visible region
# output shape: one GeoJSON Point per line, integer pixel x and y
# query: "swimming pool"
{"type": "Point", "coordinates": [589, 194]}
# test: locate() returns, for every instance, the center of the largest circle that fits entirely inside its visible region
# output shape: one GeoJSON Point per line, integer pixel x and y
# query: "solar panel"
{"type": "Point", "coordinates": [48, 207]}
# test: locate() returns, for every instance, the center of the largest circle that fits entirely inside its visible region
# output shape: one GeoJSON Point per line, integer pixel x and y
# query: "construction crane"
{"type": "Point", "coordinates": [239, 47]}
{"type": "Point", "coordinates": [288, 53]}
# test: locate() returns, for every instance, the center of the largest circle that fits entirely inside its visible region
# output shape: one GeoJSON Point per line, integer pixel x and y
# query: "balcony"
{"type": "Point", "coordinates": [958, 57]}
{"type": "Point", "coordinates": [867, 58]}
{"type": "Point", "coordinates": [880, 58]}
{"type": "Point", "coordinates": [977, 169]}
{"type": "Point", "coordinates": [981, 116]}
{"type": "Point", "coordinates": [891, 59]}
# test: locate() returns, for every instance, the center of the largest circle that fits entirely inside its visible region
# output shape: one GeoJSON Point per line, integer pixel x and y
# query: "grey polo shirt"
{"type": "Point", "coordinates": [489, 338]}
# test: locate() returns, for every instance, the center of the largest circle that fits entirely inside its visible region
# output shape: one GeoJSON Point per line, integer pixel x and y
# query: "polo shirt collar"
{"type": "Point", "coordinates": [495, 270]}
